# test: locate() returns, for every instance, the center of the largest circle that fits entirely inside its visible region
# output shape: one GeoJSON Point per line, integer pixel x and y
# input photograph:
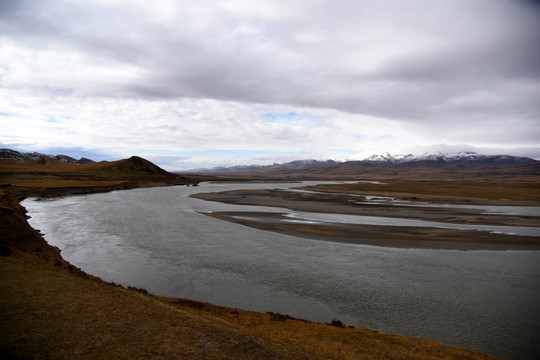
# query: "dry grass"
{"type": "Point", "coordinates": [48, 177]}
{"type": "Point", "coordinates": [47, 166]}
{"type": "Point", "coordinates": [61, 183]}
{"type": "Point", "coordinates": [294, 338]}
{"type": "Point", "coordinates": [50, 314]}
{"type": "Point", "coordinates": [53, 314]}
{"type": "Point", "coordinates": [452, 191]}
{"type": "Point", "coordinates": [127, 168]}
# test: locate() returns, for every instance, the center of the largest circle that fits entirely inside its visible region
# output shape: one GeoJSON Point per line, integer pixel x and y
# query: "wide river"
{"type": "Point", "coordinates": [155, 238]}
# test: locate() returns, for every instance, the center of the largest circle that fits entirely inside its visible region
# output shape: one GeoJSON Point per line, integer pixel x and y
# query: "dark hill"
{"type": "Point", "coordinates": [133, 166]}
{"type": "Point", "coordinates": [136, 164]}
{"type": "Point", "coordinates": [34, 161]}
{"type": "Point", "coordinates": [46, 176]}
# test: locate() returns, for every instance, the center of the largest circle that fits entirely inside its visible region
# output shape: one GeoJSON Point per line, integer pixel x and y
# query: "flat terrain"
{"type": "Point", "coordinates": [505, 192]}
{"type": "Point", "coordinates": [350, 199]}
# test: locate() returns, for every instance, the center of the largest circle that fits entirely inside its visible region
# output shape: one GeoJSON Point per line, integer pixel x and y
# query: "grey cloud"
{"type": "Point", "coordinates": [471, 47]}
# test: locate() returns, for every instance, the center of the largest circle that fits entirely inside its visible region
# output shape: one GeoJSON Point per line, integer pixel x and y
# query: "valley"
{"type": "Point", "coordinates": [25, 252]}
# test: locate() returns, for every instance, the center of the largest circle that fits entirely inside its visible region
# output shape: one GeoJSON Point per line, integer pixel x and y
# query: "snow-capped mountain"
{"type": "Point", "coordinates": [459, 165]}
{"type": "Point", "coordinates": [446, 158]}
{"type": "Point", "coordinates": [390, 158]}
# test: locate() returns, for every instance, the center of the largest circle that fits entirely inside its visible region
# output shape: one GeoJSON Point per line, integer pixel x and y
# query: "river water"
{"type": "Point", "coordinates": [156, 239]}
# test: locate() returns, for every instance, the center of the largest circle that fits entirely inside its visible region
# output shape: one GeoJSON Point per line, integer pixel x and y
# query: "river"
{"type": "Point", "coordinates": [157, 239]}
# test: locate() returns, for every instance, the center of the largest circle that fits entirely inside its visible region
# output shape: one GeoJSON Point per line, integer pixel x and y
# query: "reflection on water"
{"type": "Point", "coordinates": [156, 239]}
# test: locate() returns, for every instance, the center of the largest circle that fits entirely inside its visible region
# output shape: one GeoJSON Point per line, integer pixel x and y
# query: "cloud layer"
{"type": "Point", "coordinates": [280, 79]}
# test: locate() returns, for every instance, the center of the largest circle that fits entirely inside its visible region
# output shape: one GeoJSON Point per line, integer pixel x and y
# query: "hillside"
{"type": "Point", "coordinates": [51, 310]}
{"type": "Point", "coordinates": [48, 176]}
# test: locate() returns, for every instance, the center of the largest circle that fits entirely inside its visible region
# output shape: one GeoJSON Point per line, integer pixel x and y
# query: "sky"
{"type": "Point", "coordinates": [204, 83]}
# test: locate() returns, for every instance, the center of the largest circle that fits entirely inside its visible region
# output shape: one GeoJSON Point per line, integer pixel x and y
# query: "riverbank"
{"type": "Point", "coordinates": [51, 314]}
{"type": "Point", "coordinates": [387, 236]}
{"type": "Point", "coordinates": [51, 309]}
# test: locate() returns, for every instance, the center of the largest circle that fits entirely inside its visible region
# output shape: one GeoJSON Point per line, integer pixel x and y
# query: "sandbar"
{"type": "Point", "coordinates": [375, 235]}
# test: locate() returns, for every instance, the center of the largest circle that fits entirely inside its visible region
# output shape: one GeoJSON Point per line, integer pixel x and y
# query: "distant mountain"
{"type": "Point", "coordinates": [390, 158]}
{"type": "Point", "coordinates": [427, 166]}
{"type": "Point", "coordinates": [31, 156]}
{"type": "Point", "coordinates": [449, 157]}
{"type": "Point", "coordinates": [293, 165]}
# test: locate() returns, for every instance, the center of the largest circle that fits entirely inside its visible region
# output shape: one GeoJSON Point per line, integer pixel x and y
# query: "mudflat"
{"type": "Point", "coordinates": [378, 235]}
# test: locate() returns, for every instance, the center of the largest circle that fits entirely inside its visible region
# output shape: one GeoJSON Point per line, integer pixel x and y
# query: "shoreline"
{"type": "Point", "coordinates": [403, 237]}
{"type": "Point", "coordinates": [375, 235]}
{"type": "Point", "coordinates": [52, 192]}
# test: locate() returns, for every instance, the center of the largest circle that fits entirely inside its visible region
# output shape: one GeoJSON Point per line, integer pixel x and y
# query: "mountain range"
{"type": "Point", "coordinates": [29, 156]}
{"type": "Point", "coordinates": [388, 159]}
{"type": "Point", "coordinates": [449, 157]}
{"type": "Point", "coordinates": [460, 165]}
{"type": "Point", "coordinates": [440, 165]}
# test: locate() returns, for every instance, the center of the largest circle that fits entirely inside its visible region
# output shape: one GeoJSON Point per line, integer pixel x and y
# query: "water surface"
{"type": "Point", "coordinates": [156, 239]}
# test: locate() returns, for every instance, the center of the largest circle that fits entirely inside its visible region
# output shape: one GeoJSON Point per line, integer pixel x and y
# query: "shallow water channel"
{"type": "Point", "coordinates": [156, 239]}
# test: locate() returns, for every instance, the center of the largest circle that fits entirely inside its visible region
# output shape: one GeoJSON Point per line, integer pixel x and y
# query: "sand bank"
{"type": "Point", "coordinates": [391, 236]}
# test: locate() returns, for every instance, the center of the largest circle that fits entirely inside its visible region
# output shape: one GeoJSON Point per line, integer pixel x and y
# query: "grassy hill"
{"type": "Point", "coordinates": [50, 177]}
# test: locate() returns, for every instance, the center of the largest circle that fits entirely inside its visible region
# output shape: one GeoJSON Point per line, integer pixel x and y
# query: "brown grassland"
{"type": "Point", "coordinates": [54, 314]}
{"type": "Point", "coordinates": [495, 192]}
{"type": "Point", "coordinates": [49, 309]}
{"type": "Point", "coordinates": [48, 177]}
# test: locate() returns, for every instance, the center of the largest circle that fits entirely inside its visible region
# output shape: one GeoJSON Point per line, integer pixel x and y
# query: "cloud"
{"type": "Point", "coordinates": [202, 74]}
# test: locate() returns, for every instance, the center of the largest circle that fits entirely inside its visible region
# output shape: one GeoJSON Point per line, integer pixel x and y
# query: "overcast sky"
{"type": "Point", "coordinates": [191, 84]}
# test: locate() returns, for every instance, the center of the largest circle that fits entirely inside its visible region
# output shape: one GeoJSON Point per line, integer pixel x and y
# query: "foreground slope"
{"type": "Point", "coordinates": [51, 314]}
{"type": "Point", "coordinates": [50, 309]}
